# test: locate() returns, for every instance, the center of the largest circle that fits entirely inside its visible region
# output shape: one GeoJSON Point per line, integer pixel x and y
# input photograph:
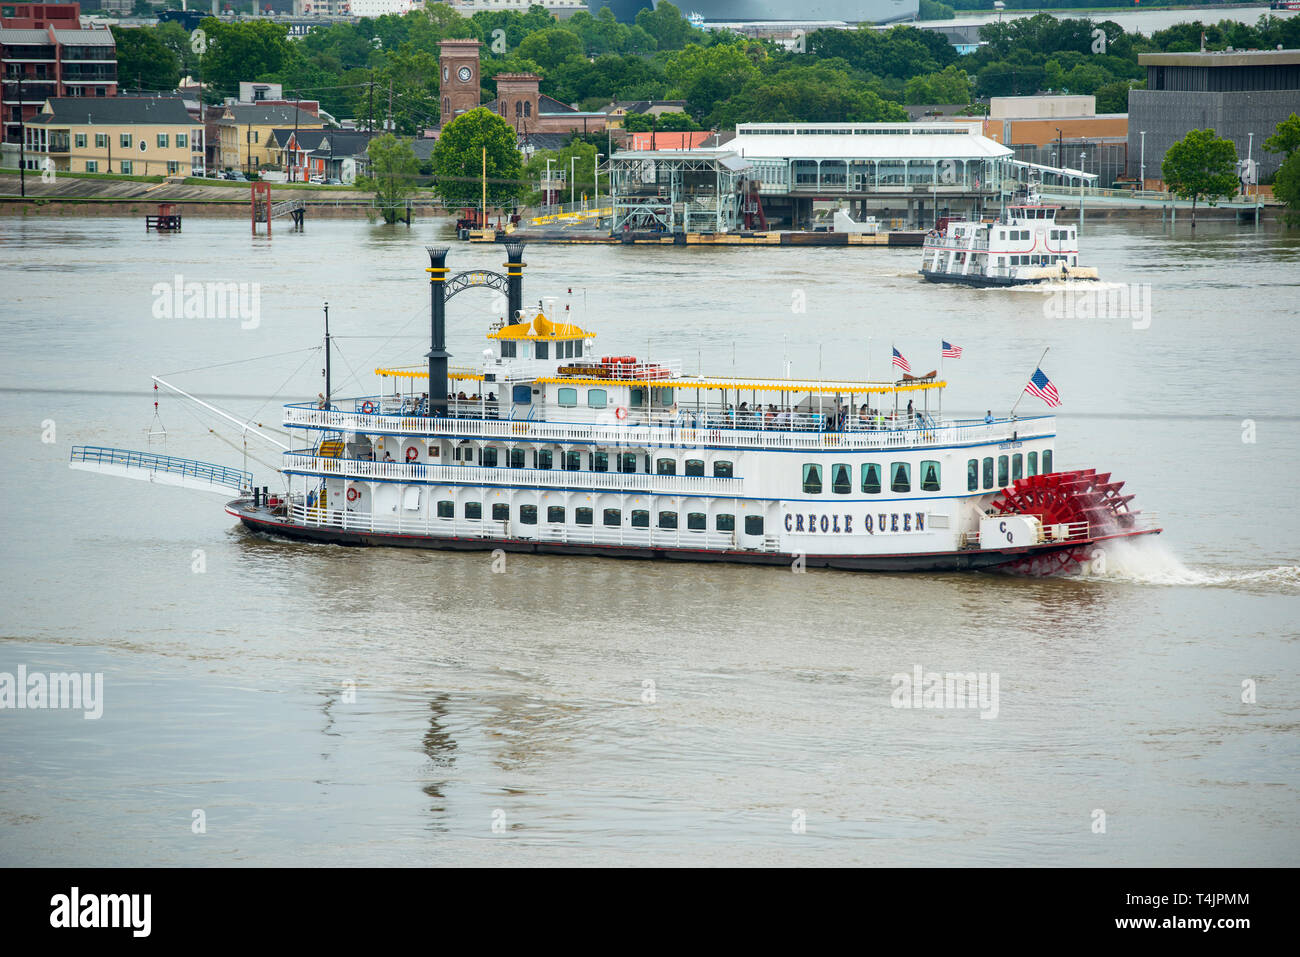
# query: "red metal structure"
{"type": "Point", "coordinates": [260, 200]}
{"type": "Point", "coordinates": [167, 219]}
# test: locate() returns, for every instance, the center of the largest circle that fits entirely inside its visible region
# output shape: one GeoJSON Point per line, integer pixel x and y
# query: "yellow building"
{"type": "Point", "coordinates": [142, 136]}
{"type": "Point", "coordinates": [247, 134]}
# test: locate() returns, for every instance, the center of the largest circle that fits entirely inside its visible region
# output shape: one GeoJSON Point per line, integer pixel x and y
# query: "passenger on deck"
{"type": "Point", "coordinates": [988, 417]}
{"type": "Point", "coordinates": [911, 416]}
{"type": "Point", "coordinates": [387, 457]}
{"type": "Point", "coordinates": [864, 416]}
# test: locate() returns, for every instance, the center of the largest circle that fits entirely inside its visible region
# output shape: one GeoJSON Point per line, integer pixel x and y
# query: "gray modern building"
{"type": "Point", "coordinates": [1242, 96]}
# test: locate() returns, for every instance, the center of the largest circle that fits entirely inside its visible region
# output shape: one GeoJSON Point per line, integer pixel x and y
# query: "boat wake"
{"type": "Point", "coordinates": [1149, 561]}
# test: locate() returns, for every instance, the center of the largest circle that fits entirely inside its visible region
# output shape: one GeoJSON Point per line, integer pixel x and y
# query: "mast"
{"type": "Point", "coordinates": [327, 355]}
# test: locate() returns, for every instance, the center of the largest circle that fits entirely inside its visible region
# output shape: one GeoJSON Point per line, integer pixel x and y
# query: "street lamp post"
{"type": "Point", "coordinates": [1143, 160]}
{"type": "Point", "coordinates": [546, 188]}
{"type": "Point", "coordinates": [573, 172]}
{"type": "Point", "coordinates": [1250, 143]}
{"type": "Point", "coordinates": [1082, 182]}
{"type": "Point", "coordinates": [595, 173]}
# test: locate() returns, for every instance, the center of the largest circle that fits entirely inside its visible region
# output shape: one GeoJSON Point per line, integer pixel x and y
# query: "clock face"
{"type": "Point", "coordinates": [464, 74]}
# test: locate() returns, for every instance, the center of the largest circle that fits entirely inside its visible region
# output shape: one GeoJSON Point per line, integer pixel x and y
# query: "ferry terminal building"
{"type": "Point", "coordinates": [904, 172]}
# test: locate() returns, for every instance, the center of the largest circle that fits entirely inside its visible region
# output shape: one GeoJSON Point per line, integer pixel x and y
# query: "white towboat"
{"type": "Point", "coordinates": [545, 447]}
{"type": "Point", "coordinates": [1025, 244]}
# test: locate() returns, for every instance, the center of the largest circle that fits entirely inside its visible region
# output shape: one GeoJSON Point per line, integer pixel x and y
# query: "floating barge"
{"type": "Point", "coordinates": [771, 238]}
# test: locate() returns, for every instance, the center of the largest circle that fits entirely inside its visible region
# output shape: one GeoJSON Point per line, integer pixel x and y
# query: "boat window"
{"type": "Point", "coordinates": [446, 509]}
{"type": "Point", "coordinates": [544, 457]}
{"type": "Point", "coordinates": [636, 397]}
{"type": "Point", "coordinates": [972, 475]}
{"type": "Point", "coordinates": [528, 514]}
{"type": "Point", "coordinates": [697, 521]}
{"type": "Point", "coordinates": [555, 514]}
{"type": "Point", "coordinates": [1033, 463]}
{"type": "Point", "coordinates": [516, 458]}
{"type": "Point", "coordinates": [474, 511]}
{"type": "Point", "coordinates": [722, 469]}
{"type": "Point", "coordinates": [597, 398]}
{"type": "Point", "coordinates": [665, 397]}
{"type": "Point", "coordinates": [871, 478]}
{"type": "Point", "coordinates": [841, 478]}
{"type": "Point", "coordinates": [812, 479]}
{"type": "Point", "coordinates": [694, 467]}
{"type": "Point", "coordinates": [900, 476]}
{"type": "Point", "coordinates": [613, 516]}
{"type": "Point", "coordinates": [500, 512]}
{"type": "Point", "coordinates": [1017, 467]}
{"type": "Point", "coordinates": [667, 519]}
{"type": "Point", "coordinates": [988, 473]}
{"type": "Point", "coordinates": [1047, 461]}
{"type": "Point", "coordinates": [929, 476]}
{"type": "Point", "coordinates": [753, 524]}
{"type": "Point", "coordinates": [572, 461]}
{"type": "Point", "coordinates": [724, 523]}
{"type": "Point", "coordinates": [541, 350]}
{"type": "Point", "coordinates": [627, 462]}
{"type": "Point", "coordinates": [600, 461]}
{"type": "Point", "coordinates": [566, 397]}
{"type": "Point", "coordinates": [582, 516]}
{"type": "Point", "coordinates": [508, 350]}
{"type": "Point", "coordinates": [577, 348]}
{"type": "Point", "coordinates": [1002, 471]}
{"type": "Point", "coordinates": [489, 458]}
{"type": "Point", "coordinates": [666, 467]}
{"type": "Point", "coordinates": [523, 394]}
{"type": "Point", "coordinates": [640, 518]}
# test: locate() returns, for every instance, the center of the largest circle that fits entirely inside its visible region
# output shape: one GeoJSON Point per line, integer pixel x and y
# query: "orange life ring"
{"type": "Point", "coordinates": [412, 454]}
{"type": "Point", "coordinates": [620, 413]}
{"type": "Point", "coordinates": [367, 407]}
{"type": "Point", "coordinates": [353, 495]}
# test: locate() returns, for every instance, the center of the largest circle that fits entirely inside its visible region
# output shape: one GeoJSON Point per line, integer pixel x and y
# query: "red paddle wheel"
{"type": "Point", "coordinates": [1089, 504]}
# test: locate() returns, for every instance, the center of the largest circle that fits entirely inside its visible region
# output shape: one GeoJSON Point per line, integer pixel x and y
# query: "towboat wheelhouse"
{"type": "Point", "coordinates": [547, 446]}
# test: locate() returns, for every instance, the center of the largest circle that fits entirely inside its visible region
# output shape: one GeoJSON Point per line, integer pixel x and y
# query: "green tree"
{"type": "Point", "coordinates": [393, 167]}
{"type": "Point", "coordinates": [952, 85]}
{"type": "Point", "coordinates": [242, 51]}
{"type": "Point", "coordinates": [458, 160]}
{"type": "Point", "coordinates": [1201, 164]}
{"type": "Point", "coordinates": [550, 48]}
{"type": "Point", "coordinates": [1113, 97]}
{"type": "Point", "coordinates": [666, 24]}
{"type": "Point", "coordinates": [1286, 187]}
{"type": "Point", "coordinates": [143, 60]}
{"type": "Point", "coordinates": [706, 76]}
{"type": "Point", "coordinates": [666, 123]}
{"type": "Point", "coordinates": [1287, 137]}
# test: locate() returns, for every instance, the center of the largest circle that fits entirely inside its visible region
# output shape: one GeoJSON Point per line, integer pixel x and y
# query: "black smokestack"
{"type": "Point", "coordinates": [514, 280]}
{"type": "Point", "coordinates": [438, 354]}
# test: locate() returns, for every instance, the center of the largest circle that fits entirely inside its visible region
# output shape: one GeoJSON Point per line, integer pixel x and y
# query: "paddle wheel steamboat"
{"type": "Point", "coordinates": [544, 446]}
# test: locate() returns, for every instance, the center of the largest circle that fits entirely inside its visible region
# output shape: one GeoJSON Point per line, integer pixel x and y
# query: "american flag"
{"type": "Point", "coordinates": [901, 362]}
{"type": "Point", "coordinates": [1041, 386]}
{"type": "Point", "coordinates": [950, 351]}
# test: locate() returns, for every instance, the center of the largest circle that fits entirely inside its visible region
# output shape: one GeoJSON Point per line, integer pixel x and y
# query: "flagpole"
{"type": "Point", "coordinates": [1022, 391]}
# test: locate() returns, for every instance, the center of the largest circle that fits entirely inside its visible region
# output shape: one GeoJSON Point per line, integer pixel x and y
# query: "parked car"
{"type": "Point", "coordinates": [237, 176]}
{"type": "Point", "coordinates": [334, 181]}
{"type": "Point", "coordinates": [318, 179]}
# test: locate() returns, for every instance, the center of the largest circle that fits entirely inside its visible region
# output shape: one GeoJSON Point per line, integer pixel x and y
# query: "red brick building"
{"type": "Point", "coordinates": [44, 54]}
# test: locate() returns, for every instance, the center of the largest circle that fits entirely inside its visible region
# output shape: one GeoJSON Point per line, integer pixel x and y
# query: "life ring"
{"type": "Point", "coordinates": [412, 454]}
{"type": "Point", "coordinates": [367, 407]}
{"type": "Point", "coordinates": [353, 495]}
{"type": "Point", "coordinates": [620, 413]}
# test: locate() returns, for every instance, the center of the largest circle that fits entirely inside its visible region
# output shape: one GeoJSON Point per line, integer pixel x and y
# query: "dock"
{"type": "Point", "coordinates": [743, 238]}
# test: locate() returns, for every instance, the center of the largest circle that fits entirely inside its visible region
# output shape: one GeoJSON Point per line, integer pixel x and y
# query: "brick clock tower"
{"type": "Point", "coordinates": [459, 66]}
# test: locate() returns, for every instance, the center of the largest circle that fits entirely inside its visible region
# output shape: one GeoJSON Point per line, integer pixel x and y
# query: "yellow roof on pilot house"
{"type": "Point", "coordinates": [542, 329]}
